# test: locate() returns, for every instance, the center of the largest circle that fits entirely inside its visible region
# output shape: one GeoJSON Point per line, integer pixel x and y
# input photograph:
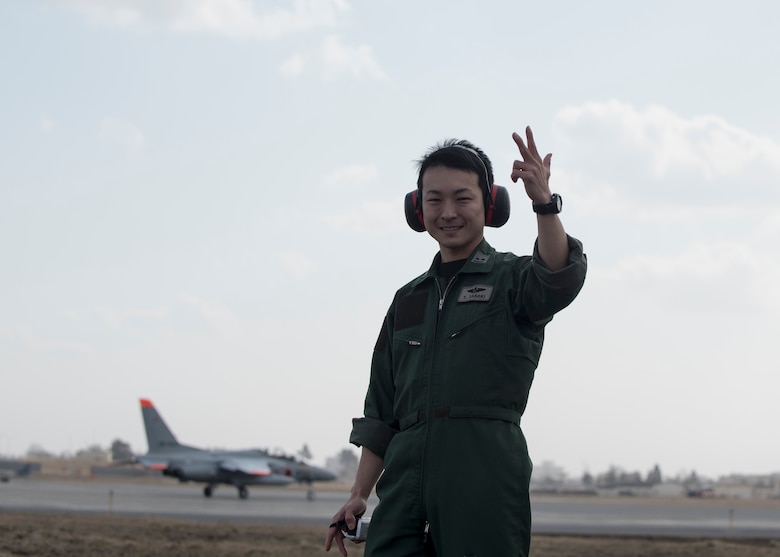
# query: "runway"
{"type": "Point", "coordinates": [551, 514]}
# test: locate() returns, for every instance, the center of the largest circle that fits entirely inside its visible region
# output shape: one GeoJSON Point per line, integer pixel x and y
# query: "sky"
{"type": "Point", "coordinates": [201, 203]}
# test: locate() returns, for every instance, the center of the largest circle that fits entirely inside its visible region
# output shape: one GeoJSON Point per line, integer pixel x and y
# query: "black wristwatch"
{"type": "Point", "coordinates": [552, 208]}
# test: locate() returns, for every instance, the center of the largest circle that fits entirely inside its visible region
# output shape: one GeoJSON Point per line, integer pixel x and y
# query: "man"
{"type": "Point", "coordinates": [453, 366]}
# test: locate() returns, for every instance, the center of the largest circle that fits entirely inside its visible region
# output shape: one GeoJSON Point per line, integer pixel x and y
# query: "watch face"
{"type": "Point", "coordinates": [552, 208]}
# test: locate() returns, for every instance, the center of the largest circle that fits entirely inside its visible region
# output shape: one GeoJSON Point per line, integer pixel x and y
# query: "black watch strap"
{"type": "Point", "coordinates": [552, 208]}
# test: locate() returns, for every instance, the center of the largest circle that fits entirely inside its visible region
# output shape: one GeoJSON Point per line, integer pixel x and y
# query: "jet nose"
{"type": "Point", "coordinates": [323, 475]}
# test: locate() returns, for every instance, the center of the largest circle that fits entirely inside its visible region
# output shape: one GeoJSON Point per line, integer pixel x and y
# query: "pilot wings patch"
{"type": "Point", "coordinates": [475, 293]}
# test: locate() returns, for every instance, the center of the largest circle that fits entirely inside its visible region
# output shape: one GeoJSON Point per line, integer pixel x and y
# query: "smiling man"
{"type": "Point", "coordinates": [453, 366]}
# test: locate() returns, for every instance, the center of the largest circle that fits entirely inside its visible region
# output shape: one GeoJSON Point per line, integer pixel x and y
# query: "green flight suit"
{"type": "Point", "coordinates": [450, 377]}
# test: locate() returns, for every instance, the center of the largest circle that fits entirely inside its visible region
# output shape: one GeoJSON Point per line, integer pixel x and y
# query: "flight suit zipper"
{"type": "Point", "coordinates": [430, 397]}
{"type": "Point", "coordinates": [442, 296]}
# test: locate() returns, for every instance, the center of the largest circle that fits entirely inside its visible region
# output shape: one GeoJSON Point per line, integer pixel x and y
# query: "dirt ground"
{"type": "Point", "coordinates": [42, 534]}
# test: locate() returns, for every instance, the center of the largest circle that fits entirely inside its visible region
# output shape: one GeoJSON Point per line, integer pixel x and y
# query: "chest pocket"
{"type": "Point", "coordinates": [471, 360]}
{"type": "Point", "coordinates": [408, 361]}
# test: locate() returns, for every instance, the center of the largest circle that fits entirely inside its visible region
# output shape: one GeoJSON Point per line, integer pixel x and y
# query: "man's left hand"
{"type": "Point", "coordinates": [533, 170]}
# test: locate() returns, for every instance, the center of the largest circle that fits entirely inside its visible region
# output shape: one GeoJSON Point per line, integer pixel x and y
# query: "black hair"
{"type": "Point", "coordinates": [459, 154]}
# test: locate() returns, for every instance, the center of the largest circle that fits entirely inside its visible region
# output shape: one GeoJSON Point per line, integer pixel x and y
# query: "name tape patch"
{"type": "Point", "coordinates": [476, 293]}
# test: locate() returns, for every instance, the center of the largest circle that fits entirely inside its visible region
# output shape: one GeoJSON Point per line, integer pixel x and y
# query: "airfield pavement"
{"type": "Point", "coordinates": [165, 518]}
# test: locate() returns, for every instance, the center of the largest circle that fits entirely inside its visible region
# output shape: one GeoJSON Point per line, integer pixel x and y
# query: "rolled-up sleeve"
{"type": "Point", "coordinates": [373, 434]}
{"type": "Point", "coordinates": [547, 292]}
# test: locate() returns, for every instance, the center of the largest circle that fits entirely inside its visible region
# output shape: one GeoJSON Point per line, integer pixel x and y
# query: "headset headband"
{"type": "Point", "coordinates": [482, 162]}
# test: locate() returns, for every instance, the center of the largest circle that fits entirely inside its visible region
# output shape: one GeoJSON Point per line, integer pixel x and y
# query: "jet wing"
{"type": "Point", "coordinates": [249, 466]}
{"type": "Point", "coordinates": [153, 463]}
{"type": "Point", "coordinates": [258, 468]}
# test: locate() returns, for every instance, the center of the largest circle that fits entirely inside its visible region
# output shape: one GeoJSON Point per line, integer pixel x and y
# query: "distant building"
{"type": "Point", "coordinates": [749, 486]}
{"type": "Point", "coordinates": [547, 475]}
{"type": "Point", "coordinates": [669, 489]}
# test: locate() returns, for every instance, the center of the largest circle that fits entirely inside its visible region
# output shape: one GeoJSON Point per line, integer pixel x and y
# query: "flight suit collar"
{"type": "Point", "coordinates": [480, 261]}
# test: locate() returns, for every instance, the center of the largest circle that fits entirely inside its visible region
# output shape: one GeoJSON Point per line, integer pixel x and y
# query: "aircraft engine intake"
{"type": "Point", "coordinates": [192, 471]}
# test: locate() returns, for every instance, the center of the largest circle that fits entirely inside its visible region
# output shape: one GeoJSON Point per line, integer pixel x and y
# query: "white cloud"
{"type": "Point", "coordinates": [298, 265]}
{"type": "Point", "coordinates": [238, 19]}
{"type": "Point", "coordinates": [770, 227]}
{"type": "Point", "coordinates": [122, 133]}
{"type": "Point", "coordinates": [293, 66]}
{"type": "Point", "coordinates": [658, 157]}
{"type": "Point", "coordinates": [336, 59]}
{"type": "Point", "coordinates": [358, 61]}
{"type": "Point", "coordinates": [684, 210]}
{"type": "Point", "coordinates": [722, 277]}
{"type": "Point", "coordinates": [351, 176]}
{"type": "Point", "coordinates": [594, 196]}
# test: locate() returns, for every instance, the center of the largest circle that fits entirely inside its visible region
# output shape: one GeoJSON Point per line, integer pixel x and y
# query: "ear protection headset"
{"type": "Point", "coordinates": [496, 201]}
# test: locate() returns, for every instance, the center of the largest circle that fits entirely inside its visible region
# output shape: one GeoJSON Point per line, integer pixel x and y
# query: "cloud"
{"type": "Point", "coordinates": [657, 157]}
{"type": "Point", "coordinates": [293, 66]}
{"type": "Point", "coordinates": [237, 19]}
{"type": "Point", "coordinates": [338, 59]}
{"type": "Point", "coordinates": [719, 277]}
{"type": "Point", "coordinates": [351, 176]}
{"type": "Point", "coordinates": [770, 227]}
{"type": "Point", "coordinates": [680, 212]}
{"type": "Point", "coordinates": [121, 133]}
{"type": "Point", "coordinates": [298, 265]}
{"type": "Point", "coordinates": [335, 59]}
{"type": "Point", "coordinates": [597, 196]}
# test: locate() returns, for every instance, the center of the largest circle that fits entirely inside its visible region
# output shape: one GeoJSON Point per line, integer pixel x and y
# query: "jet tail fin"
{"type": "Point", "coordinates": [157, 433]}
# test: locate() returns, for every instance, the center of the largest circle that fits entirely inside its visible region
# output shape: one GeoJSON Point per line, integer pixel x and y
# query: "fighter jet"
{"type": "Point", "coordinates": [236, 468]}
{"type": "Point", "coordinates": [10, 470]}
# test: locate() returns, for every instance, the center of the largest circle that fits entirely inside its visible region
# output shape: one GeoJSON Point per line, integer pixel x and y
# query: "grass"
{"type": "Point", "coordinates": [52, 534]}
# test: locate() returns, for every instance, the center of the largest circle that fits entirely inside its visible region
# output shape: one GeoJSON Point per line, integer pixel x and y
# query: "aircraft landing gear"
{"type": "Point", "coordinates": [208, 490]}
{"type": "Point", "coordinates": [242, 492]}
{"type": "Point", "coordinates": [310, 496]}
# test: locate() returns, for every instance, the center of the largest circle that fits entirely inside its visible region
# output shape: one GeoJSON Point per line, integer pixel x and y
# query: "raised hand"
{"type": "Point", "coordinates": [533, 170]}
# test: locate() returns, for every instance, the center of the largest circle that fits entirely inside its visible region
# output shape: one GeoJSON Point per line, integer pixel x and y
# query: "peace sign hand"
{"type": "Point", "coordinates": [532, 169]}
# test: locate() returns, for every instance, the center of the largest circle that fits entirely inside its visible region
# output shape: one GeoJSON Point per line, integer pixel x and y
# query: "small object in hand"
{"type": "Point", "coordinates": [359, 532]}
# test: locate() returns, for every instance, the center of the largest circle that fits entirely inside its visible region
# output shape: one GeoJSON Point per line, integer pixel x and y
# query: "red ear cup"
{"type": "Point", "coordinates": [413, 210]}
{"type": "Point", "coordinates": [497, 212]}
